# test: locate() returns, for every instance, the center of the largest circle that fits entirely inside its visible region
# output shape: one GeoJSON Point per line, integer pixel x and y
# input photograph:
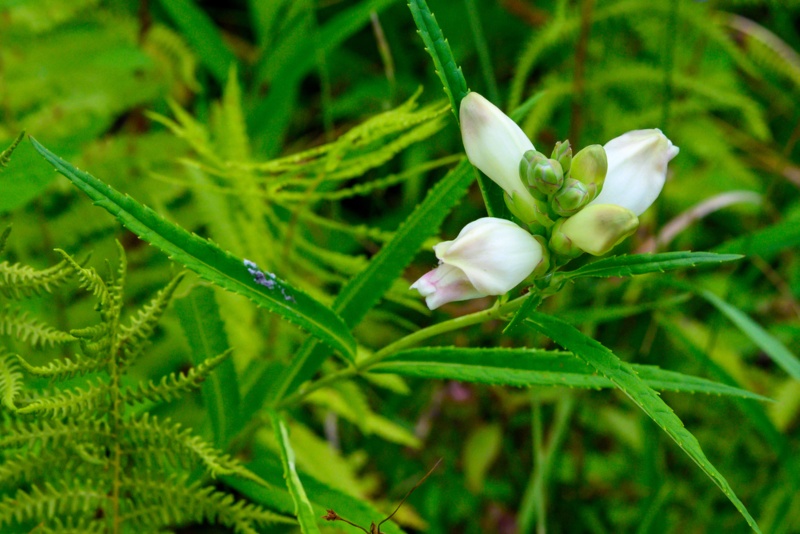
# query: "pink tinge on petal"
{"type": "Point", "coordinates": [445, 284]}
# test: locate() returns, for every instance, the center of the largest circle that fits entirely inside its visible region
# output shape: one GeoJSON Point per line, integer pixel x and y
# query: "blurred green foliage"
{"type": "Point", "coordinates": [300, 134]}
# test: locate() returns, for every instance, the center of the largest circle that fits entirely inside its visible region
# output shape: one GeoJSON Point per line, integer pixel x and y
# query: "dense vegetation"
{"type": "Point", "coordinates": [206, 326]}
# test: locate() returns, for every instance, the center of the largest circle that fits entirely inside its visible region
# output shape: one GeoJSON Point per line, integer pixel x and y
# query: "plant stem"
{"type": "Point", "coordinates": [495, 312]}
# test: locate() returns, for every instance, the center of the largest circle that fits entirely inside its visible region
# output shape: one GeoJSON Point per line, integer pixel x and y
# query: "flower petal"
{"type": "Point", "coordinates": [637, 169]}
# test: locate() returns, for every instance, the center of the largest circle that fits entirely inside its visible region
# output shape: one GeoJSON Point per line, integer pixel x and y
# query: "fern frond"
{"type": "Point", "coordinates": [69, 402]}
{"type": "Point", "coordinates": [33, 464]}
{"type": "Point", "coordinates": [227, 120]}
{"type": "Point", "coordinates": [17, 281]}
{"type": "Point", "coordinates": [53, 435]}
{"type": "Point", "coordinates": [133, 338]}
{"type": "Point", "coordinates": [189, 129]}
{"type": "Point", "coordinates": [160, 503]}
{"type": "Point", "coordinates": [72, 525]}
{"type": "Point", "coordinates": [368, 187]}
{"type": "Point", "coordinates": [89, 280]}
{"type": "Point", "coordinates": [10, 380]}
{"type": "Point", "coordinates": [17, 323]}
{"type": "Point", "coordinates": [5, 155]}
{"type": "Point", "coordinates": [116, 283]}
{"type": "Point", "coordinates": [62, 369]}
{"type": "Point", "coordinates": [173, 52]}
{"type": "Point", "coordinates": [50, 501]}
{"type": "Point", "coordinates": [148, 435]}
{"type": "Point", "coordinates": [173, 385]}
{"type": "Point", "coordinates": [90, 332]}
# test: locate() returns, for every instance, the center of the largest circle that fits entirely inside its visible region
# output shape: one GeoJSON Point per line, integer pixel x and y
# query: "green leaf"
{"type": "Point", "coordinates": [302, 507]}
{"type": "Point", "coordinates": [455, 86]}
{"type": "Point", "coordinates": [364, 290]}
{"type": "Point", "coordinates": [530, 304]}
{"type": "Point", "coordinates": [210, 261]}
{"type": "Point", "coordinates": [201, 322]}
{"type": "Point", "coordinates": [776, 350]}
{"type": "Point", "coordinates": [625, 378]}
{"type": "Point", "coordinates": [525, 367]}
{"type": "Point", "coordinates": [647, 263]}
{"type": "Point", "coordinates": [201, 33]}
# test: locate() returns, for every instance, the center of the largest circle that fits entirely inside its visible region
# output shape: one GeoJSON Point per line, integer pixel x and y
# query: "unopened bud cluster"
{"type": "Point", "coordinates": [562, 186]}
{"type": "Point", "coordinates": [569, 204]}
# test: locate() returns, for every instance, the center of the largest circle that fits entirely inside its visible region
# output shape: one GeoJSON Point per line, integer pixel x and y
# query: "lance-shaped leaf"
{"type": "Point", "coordinates": [534, 367]}
{"type": "Point", "coordinates": [303, 510]}
{"type": "Point", "coordinates": [210, 261]}
{"type": "Point", "coordinates": [647, 263]}
{"type": "Point", "coordinates": [625, 378]}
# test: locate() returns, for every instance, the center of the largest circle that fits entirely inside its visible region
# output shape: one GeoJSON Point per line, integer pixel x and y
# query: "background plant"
{"type": "Point", "coordinates": [717, 77]}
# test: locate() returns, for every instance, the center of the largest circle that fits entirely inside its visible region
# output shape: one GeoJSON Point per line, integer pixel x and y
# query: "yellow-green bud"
{"type": "Point", "coordinates": [561, 244]}
{"type": "Point", "coordinates": [570, 198]}
{"type": "Point", "coordinates": [598, 228]}
{"type": "Point", "coordinates": [589, 166]}
{"type": "Point", "coordinates": [562, 153]}
{"type": "Point", "coordinates": [547, 176]}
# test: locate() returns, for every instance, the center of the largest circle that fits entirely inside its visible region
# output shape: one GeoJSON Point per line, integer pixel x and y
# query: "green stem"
{"type": "Point", "coordinates": [495, 312]}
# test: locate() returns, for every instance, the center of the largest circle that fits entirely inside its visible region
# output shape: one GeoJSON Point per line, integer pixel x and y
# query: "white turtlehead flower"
{"type": "Point", "coordinates": [494, 144]}
{"type": "Point", "coordinates": [489, 257]}
{"type": "Point", "coordinates": [637, 169]}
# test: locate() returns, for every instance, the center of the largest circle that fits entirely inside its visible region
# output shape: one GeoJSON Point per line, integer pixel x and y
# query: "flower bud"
{"type": "Point", "coordinates": [589, 167]}
{"type": "Point", "coordinates": [637, 169]}
{"type": "Point", "coordinates": [489, 257]}
{"type": "Point", "coordinates": [526, 165]}
{"type": "Point", "coordinates": [598, 228]}
{"type": "Point", "coordinates": [547, 176]}
{"type": "Point", "coordinates": [562, 245]}
{"type": "Point", "coordinates": [494, 144]}
{"type": "Point", "coordinates": [570, 198]}
{"type": "Point", "coordinates": [562, 153]}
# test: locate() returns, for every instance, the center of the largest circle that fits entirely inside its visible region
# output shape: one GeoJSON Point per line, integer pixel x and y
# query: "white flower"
{"type": "Point", "coordinates": [637, 169]}
{"type": "Point", "coordinates": [489, 257]}
{"type": "Point", "coordinates": [494, 144]}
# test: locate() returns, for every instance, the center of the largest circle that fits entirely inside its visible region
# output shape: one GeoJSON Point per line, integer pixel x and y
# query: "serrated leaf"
{"type": "Point", "coordinates": [302, 507]}
{"type": "Point", "coordinates": [455, 86]}
{"type": "Point", "coordinates": [625, 378]}
{"type": "Point", "coordinates": [525, 367]}
{"type": "Point", "coordinates": [630, 265]}
{"type": "Point", "coordinates": [364, 290]}
{"type": "Point", "coordinates": [210, 261]}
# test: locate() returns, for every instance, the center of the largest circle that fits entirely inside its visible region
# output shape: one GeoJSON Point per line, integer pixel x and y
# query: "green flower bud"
{"type": "Point", "coordinates": [570, 198]}
{"type": "Point", "coordinates": [561, 244]}
{"type": "Point", "coordinates": [526, 166]}
{"type": "Point", "coordinates": [589, 166]}
{"type": "Point", "coordinates": [598, 228]}
{"type": "Point", "coordinates": [562, 153]}
{"type": "Point", "coordinates": [547, 176]}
